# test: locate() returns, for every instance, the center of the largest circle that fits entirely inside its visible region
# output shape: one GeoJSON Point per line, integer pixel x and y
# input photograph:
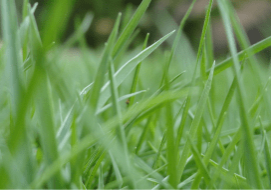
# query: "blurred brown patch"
{"type": "Point", "coordinates": [104, 26]}
{"type": "Point", "coordinates": [252, 15]}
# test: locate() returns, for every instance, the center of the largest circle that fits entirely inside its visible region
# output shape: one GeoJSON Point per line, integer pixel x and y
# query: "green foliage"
{"type": "Point", "coordinates": [121, 118]}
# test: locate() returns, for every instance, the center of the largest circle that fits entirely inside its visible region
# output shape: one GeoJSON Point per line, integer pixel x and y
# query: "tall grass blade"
{"type": "Point", "coordinates": [195, 123]}
{"type": "Point", "coordinates": [130, 27]}
{"type": "Point", "coordinates": [99, 79]}
{"type": "Point", "coordinates": [250, 159]}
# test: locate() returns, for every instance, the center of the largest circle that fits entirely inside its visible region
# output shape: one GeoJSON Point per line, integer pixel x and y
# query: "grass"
{"type": "Point", "coordinates": [122, 118]}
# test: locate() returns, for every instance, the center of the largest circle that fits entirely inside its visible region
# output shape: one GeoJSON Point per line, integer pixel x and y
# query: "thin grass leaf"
{"type": "Point", "coordinates": [125, 97]}
{"type": "Point", "coordinates": [159, 152]}
{"type": "Point", "coordinates": [158, 177]}
{"type": "Point", "coordinates": [136, 75]}
{"type": "Point", "coordinates": [230, 148]}
{"type": "Point", "coordinates": [128, 30]}
{"type": "Point", "coordinates": [258, 47]}
{"type": "Point", "coordinates": [99, 78]}
{"type": "Point", "coordinates": [121, 137]}
{"type": "Point", "coordinates": [202, 38]}
{"type": "Point", "coordinates": [267, 156]}
{"type": "Point", "coordinates": [94, 171]}
{"type": "Point", "coordinates": [253, 173]}
{"type": "Point", "coordinates": [242, 181]}
{"type": "Point", "coordinates": [128, 67]}
{"type": "Point", "coordinates": [143, 135]}
{"type": "Point", "coordinates": [209, 151]}
{"type": "Point", "coordinates": [195, 123]}
{"type": "Point", "coordinates": [199, 161]}
{"type": "Point", "coordinates": [176, 41]}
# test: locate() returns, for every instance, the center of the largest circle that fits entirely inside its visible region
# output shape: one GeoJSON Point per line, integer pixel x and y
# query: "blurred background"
{"type": "Point", "coordinates": [162, 17]}
{"type": "Point", "coordinates": [254, 16]}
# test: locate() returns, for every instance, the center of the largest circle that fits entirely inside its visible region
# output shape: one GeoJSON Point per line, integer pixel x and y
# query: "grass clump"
{"type": "Point", "coordinates": [121, 118]}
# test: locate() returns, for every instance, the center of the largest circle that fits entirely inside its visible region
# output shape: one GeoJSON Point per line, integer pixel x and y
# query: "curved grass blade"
{"type": "Point", "coordinates": [128, 67]}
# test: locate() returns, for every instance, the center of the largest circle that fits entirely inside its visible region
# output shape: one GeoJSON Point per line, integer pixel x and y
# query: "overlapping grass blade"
{"type": "Point", "coordinates": [99, 78]}
{"type": "Point", "coordinates": [120, 133]}
{"type": "Point", "coordinates": [17, 139]}
{"type": "Point", "coordinates": [136, 75]}
{"type": "Point", "coordinates": [129, 29]}
{"type": "Point", "coordinates": [128, 67]}
{"type": "Point", "coordinates": [258, 47]}
{"type": "Point", "coordinates": [201, 165]}
{"type": "Point", "coordinates": [253, 174]}
{"type": "Point", "coordinates": [209, 151]}
{"type": "Point", "coordinates": [194, 125]}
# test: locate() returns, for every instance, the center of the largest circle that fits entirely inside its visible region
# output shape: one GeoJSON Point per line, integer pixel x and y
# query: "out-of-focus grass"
{"type": "Point", "coordinates": [151, 117]}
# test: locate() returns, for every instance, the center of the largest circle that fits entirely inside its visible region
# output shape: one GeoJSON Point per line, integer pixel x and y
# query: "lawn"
{"type": "Point", "coordinates": [159, 115]}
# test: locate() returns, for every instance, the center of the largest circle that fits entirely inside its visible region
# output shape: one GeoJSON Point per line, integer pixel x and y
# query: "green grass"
{"type": "Point", "coordinates": [120, 118]}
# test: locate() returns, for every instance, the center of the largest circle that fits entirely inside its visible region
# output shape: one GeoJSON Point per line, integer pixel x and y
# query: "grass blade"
{"type": "Point", "coordinates": [99, 79]}
{"type": "Point", "coordinates": [194, 125]}
{"type": "Point", "coordinates": [253, 174]}
{"type": "Point", "coordinates": [128, 67]}
{"type": "Point", "coordinates": [128, 30]}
